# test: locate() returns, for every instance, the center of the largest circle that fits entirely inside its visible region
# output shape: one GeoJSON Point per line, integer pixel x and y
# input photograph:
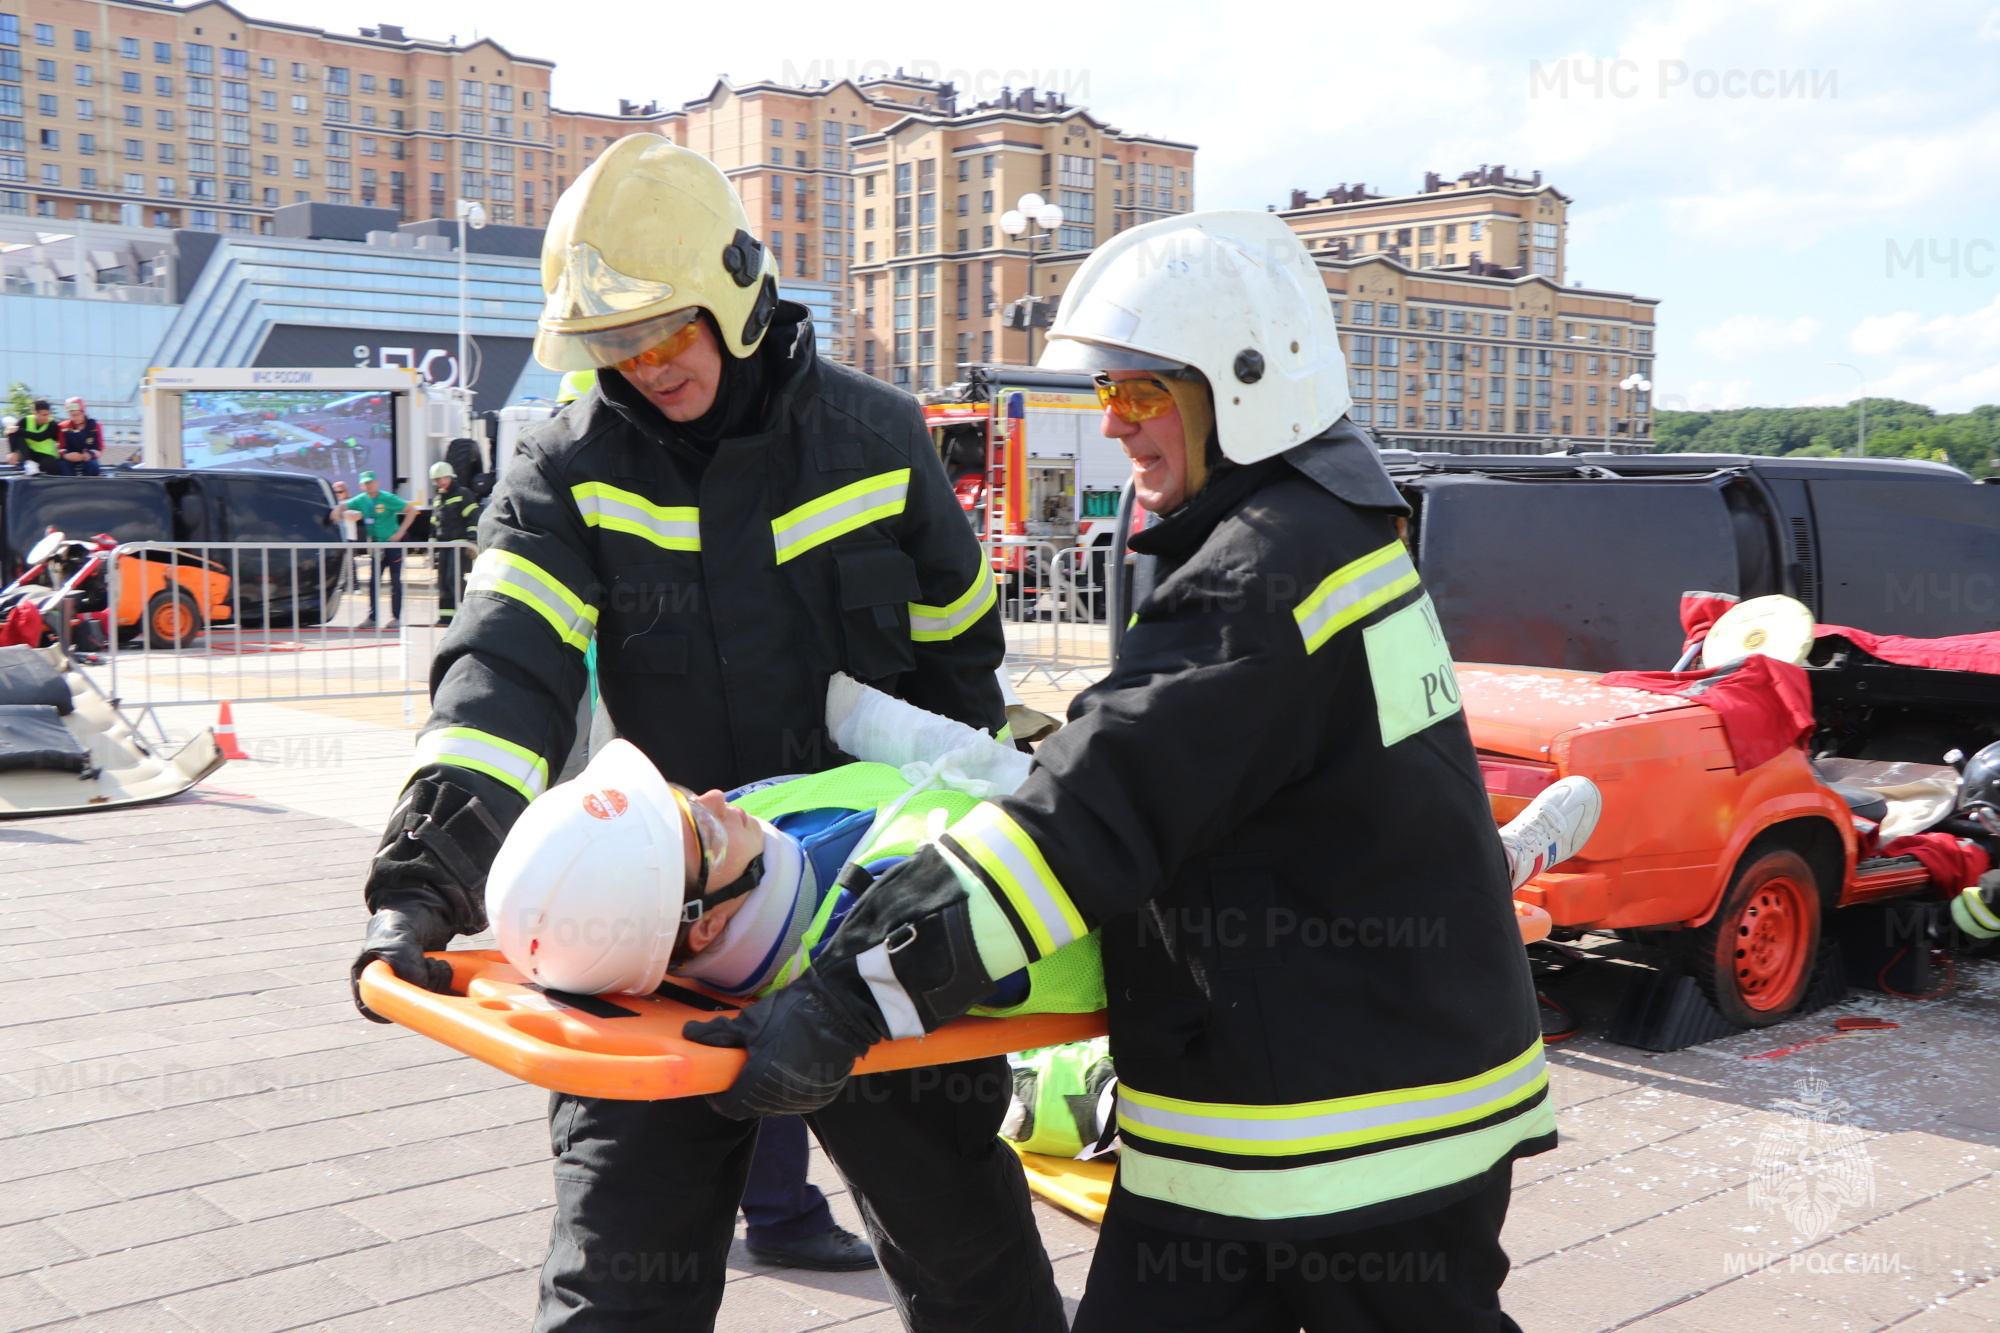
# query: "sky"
{"type": "Point", "coordinates": [1800, 182]}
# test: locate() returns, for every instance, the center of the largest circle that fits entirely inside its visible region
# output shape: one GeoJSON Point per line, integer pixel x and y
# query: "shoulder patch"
{"type": "Point", "coordinates": [1409, 664]}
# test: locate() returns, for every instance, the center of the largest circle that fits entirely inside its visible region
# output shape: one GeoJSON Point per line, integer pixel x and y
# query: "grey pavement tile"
{"type": "Point", "coordinates": [171, 1127]}
{"type": "Point", "coordinates": [446, 1116]}
{"type": "Point", "coordinates": [525, 1144]}
{"type": "Point", "coordinates": [530, 1186]}
{"type": "Point", "coordinates": [27, 1245]}
{"type": "Point", "coordinates": [289, 1239]}
{"type": "Point", "coordinates": [522, 1237]}
{"type": "Point", "coordinates": [417, 1266]}
{"type": "Point", "coordinates": [107, 1046]}
{"type": "Point", "coordinates": [146, 1273]}
{"type": "Point", "coordinates": [402, 1166]}
{"type": "Point", "coordinates": [59, 1149]}
{"type": "Point", "coordinates": [121, 1226]}
{"type": "Point", "coordinates": [269, 1302]}
{"type": "Point", "coordinates": [150, 1317]}
{"type": "Point", "coordinates": [763, 1303]}
{"type": "Point", "coordinates": [512, 1295]}
{"type": "Point", "coordinates": [428, 1208]}
{"type": "Point", "coordinates": [462, 1310]}
{"type": "Point", "coordinates": [174, 1169]}
{"type": "Point", "coordinates": [297, 1145]}
{"type": "Point", "coordinates": [25, 1303]}
{"type": "Point", "coordinates": [45, 1196]}
{"type": "Point", "coordinates": [285, 1191]}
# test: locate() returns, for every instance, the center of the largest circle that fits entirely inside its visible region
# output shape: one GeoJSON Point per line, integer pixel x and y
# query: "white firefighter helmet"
{"type": "Point", "coordinates": [650, 233]}
{"type": "Point", "coordinates": [586, 892]}
{"type": "Point", "coordinates": [1236, 296]}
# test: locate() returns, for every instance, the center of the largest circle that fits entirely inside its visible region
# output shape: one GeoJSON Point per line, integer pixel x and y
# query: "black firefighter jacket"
{"type": "Point", "coordinates": [722, 592]}
{"type": "Point", "coordinates": [1321, 1014]}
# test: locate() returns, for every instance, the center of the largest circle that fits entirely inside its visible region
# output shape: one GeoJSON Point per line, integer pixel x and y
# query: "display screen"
{"type": "Point", "coordinates": [334, 434]}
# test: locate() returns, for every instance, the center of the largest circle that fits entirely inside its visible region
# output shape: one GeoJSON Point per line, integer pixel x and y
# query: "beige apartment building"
{"type": "Point", "coordinates": [146, 114]}
{"type": "Point", "coordinates": [1458, 328]}
{"type": "Point", "coordinates": [882, 198]}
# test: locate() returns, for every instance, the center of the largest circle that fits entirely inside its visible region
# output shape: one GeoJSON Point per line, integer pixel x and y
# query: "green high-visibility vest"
{"type": "Point", "coordinates": [1068, 981]}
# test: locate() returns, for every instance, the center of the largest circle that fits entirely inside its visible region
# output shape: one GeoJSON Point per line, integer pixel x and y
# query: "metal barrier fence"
{"type": "Point", "coordinates": [195, 623]}
{"type": "Point", "coordinates": [1054, 605]}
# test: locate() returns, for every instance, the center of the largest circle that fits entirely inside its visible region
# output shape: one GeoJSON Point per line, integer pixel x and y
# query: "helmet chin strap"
{"type": "Point", "coordinates": [753, 874]}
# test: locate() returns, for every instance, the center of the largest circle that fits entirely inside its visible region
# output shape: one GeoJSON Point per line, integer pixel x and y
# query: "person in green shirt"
{"type": "Point", "coordinates": [37, 438]}
{"type": "Point", "coordinates": [385, 517]}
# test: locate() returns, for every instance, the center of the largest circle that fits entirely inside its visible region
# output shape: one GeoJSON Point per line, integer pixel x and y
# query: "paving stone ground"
{"type": "Point", "coordinates": [197, 1132]}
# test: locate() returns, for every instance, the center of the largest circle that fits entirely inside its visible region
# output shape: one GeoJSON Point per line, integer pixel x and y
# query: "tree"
{"type": "Point", "coordinates": [20, 400]}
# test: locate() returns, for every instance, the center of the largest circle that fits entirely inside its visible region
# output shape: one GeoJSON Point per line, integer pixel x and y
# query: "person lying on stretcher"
{"type": "Point", "coordinates": [618, 879]}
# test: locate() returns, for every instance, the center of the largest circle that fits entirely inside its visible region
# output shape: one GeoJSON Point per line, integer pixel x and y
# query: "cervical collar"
{"type": "Point", "coordinates": [740, 961]}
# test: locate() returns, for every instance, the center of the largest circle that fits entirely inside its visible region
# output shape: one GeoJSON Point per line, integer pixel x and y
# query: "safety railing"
{"type": "Point", "coordinates": [199, 623]}
{"type": "Point", "coordinates": [1054, 606]}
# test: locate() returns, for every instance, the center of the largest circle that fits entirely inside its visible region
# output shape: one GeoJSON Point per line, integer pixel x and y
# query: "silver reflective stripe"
{"type": "Point", "coordinates": [1310, 1127]}
{"type": "Point", "coordinates": [516, 765]}
{"type": "Point", "coordinates": [840, 512]}
{"type": "Point", "coordinates": [1354, 590]}
{"type": "Point", "coordinates": [933, 624]}
{"type": "Point", "coordinates": [670, 527]}
{"type": "Point", "coordinates": [890, 997]}
{"type": "Point", "coordinates": [505, 574]}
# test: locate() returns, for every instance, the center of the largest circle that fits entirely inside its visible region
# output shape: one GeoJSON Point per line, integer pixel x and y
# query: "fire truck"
{"type": "Point", "coordinates": [1027, 459]}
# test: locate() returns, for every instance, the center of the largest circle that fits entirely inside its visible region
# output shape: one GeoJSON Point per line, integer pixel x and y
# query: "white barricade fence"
{"type": "Point", "coordinates": [1054, 606]}
{"type": "Point", "coordinates": [199, 623]}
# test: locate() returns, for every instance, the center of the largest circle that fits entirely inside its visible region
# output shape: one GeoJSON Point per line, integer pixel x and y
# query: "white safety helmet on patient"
{"type": "Point", "coordinates": [586, 894]}
{"type": "Point", "coordinates": [1234, 295]}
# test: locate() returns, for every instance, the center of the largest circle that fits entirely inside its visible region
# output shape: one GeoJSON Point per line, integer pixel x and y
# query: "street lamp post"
{"type": "Point", "coordinates": [1031, 210]}
{"type": "Point", "coordinates": [1632, 384]}
{"type": "Point", "coordinates": [470, 213]}
{"type": "Point", "coordinates": [1861, 408]}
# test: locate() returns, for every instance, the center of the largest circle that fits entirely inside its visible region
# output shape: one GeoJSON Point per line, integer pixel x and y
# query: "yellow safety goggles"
{"type": "Point", "coordinates": [1134, 400]}
{"type": "Point", "coordinates": [660, 353]}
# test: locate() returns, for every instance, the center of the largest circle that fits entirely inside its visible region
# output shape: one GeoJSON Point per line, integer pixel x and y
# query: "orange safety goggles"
{"type": "Point", "coordinates": [660, 353]}
{"type": "Point", "coordinates": [1134, 400]}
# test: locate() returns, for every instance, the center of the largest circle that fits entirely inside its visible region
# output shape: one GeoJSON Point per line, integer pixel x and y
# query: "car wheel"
{"type": "Point", "coordinates": [172, 620]}
{"type": "Point", "coordinates": [1754, 958]}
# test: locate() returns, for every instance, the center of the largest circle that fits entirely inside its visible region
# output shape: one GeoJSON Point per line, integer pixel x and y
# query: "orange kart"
{"type": "Point", "coordinates": [1744, 867]}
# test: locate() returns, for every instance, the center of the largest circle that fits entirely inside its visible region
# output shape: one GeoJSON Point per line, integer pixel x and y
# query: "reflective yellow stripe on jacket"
{"type": "Point", "coordinates": [1007, 859]}
{"type": "Point", "coordinates": [516, 765]}
{"type": "Point", "coordinates": [931, 624]}
{"type": "Point", "coordinates": [840, 512]}
{"type": "Point", "coordinates": [670, 527]}
{"type": "Point", "coordinates": [1352, 591]}
{"type": "Point", "coordinates": [505, 574]}
{"type": "Point", "coordinates": [1266, 1188]}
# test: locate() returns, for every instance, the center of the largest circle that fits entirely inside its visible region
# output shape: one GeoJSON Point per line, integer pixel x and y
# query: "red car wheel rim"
{"type": "Point", "coordinates": [1772, 944]}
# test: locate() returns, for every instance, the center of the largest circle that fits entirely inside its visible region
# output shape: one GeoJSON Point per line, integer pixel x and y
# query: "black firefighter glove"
{"type": "Point", "coordinates": [427, 883]}
{"type": "Point", "coordinates": [903, 963]}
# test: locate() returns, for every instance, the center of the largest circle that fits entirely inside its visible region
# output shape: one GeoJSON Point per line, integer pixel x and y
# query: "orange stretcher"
{"type": "Point", "coordinates": [630, 1047]}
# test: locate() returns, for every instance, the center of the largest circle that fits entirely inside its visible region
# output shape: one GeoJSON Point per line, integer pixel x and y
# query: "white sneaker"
{"type": "Point", "coordinates": [1553, 828]}
{"type": "Point", "coordinates": [390, 623]}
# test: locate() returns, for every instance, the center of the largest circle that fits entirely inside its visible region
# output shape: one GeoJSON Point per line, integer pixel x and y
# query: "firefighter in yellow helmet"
{"type": "Point", "coordinates": [575, 385]}
{"type": "Point", "coordinates": [730, 521]}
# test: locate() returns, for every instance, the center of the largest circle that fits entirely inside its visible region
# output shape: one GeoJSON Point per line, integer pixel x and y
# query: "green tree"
{"type": "Point", "coordinates": [19, 399]}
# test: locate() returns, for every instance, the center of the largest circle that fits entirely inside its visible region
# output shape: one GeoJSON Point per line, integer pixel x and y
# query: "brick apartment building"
{"type": "Point", "coordinates": [1457, 323]}
{"type": "Point", "coordinates": [143, 114]}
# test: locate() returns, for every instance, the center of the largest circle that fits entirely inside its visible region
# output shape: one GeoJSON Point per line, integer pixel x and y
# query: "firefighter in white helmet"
{"type": "Point", "coordinates": [729, 520]}
{"type": "Point", "coordinates": [1322, 1057]}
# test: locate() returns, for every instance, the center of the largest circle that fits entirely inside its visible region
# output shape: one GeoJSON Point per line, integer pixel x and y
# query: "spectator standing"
{"type": "Point", "coordinates": [385, 516]}
{"type": "Point", "coordinates": [37, 439]}
{"type": "Point", "coordinates": [82, 442]}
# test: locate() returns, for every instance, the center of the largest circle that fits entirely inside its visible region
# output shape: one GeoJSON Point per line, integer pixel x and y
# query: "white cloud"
{"type": "Point", "coordinates": [1707, 396]}
{"type": "Point", "coordinates": [1753, 335]}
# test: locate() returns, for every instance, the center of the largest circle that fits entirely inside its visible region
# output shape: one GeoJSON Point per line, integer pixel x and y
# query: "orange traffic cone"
{"type": "Point", "coordinates": [225, 734]}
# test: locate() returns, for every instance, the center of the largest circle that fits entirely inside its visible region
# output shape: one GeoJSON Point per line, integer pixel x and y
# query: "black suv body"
{"type": "Point", "coordinates": [197, 507]}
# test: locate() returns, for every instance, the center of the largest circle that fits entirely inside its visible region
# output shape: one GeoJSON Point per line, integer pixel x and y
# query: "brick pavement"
{"type": "Point", "coordinates": [200, 1134]}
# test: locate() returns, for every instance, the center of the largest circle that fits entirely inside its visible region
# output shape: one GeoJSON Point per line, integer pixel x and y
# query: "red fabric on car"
{"type": "Point", "coordinates": [1700, 611]}
{"type": "Point", "coordinates": [1954, 863]}
{"type": "Point", "coordinates": [24, 625]}
{"type": "Point", "coordinates": [1964, 652]}
{"type": "Point", "coordinates": [1765, 704]}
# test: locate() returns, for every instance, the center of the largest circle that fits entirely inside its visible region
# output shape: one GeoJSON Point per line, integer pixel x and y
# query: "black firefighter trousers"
{"type": "Point", "coordinates": [646, 1198]}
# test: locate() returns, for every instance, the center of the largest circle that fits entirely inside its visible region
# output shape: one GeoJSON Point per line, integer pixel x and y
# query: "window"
{"type": "Point", "coordinates": [135, 150]}
{"type": "Point", "coordinates": [396, 88]}
{"type": "Point", "coordinates": [129, 83]}
{"type": "Point", "coordinates": [236, 162]}
{"type": "Point", "coordinates": [45, 70]}
{"type": "Point", "coordinates": [201, 92]}
{"type": "Point", "coordinates": [1545, 329]}
{"type": "Point", "coordinates": [1074, 238]}
{"type": "Point", "coordinates": [777, 128]}
{"type": "Point", "coordinates": [47, 104]}
{"type": "Point", "coordinates": [201, 125]}
{"type": "Point", "coordinates": [86, 178]}
{"type": "Point", "coordinates": [1545, 235]}
{"type": "Point", "coordinates": [235, 96]}
{"type": "Point", "coordinates": [437, 152]}
{"type": "Point", "coordinates": [200, 58]}
{"type": "Point", "coordinates": [51, 175]}
{"type": "Point", "coordinates": [86, 77]}
{"type": "Point", "coordinates": [45, 34]}
{"type": "Point", "coordinates": [367, 84]}
{"type": "Point", "coordinates": [267, 100]}
{"type": "Point", "coordinates": [799, 130]}
{"type": "Point", "coordinates": [436, 122]}
{"type": "Point", "coordinates": [336, 108]}
{"type": "Point", "coordinates": [1427, 235]}
{"type": "Point", "coordinates": [235, 63]}
{"type": "Point", "coordinates": [1391, 315]}
{"type": "Point", "coordinates": [472, 122]}
{"type": "Point", "coordinates": [268, 166]}
{"type": "Point", "coordinates": [471, 92]}
{"type": "Point", "coordinates": [86, 144]}
{"type": "Point", "coordinates": [267, 68]}
{"type": "Point", "coordinates": [499, 97]}
{"type": "Point", "coordinates": [163, 154]}
{"type": "Point", "coordinates": [1080, 172]}
{"type": "Point", "coordinates": [338, 143]}
{"type": "Point", "coordinates": [434, 89]}
{"type": "Point", "coordinates": [301, 137]}
{"type": "Point", "coordinates": [472, 184]}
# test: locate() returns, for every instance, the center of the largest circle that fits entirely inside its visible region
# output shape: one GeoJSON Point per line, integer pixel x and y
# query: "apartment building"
{"type": "Point", "coordinates": [1459, 331]}
{"type": "Point", "coordinates": [145, 114]}
{"type": "Point", "coordinates": [881, 200]}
